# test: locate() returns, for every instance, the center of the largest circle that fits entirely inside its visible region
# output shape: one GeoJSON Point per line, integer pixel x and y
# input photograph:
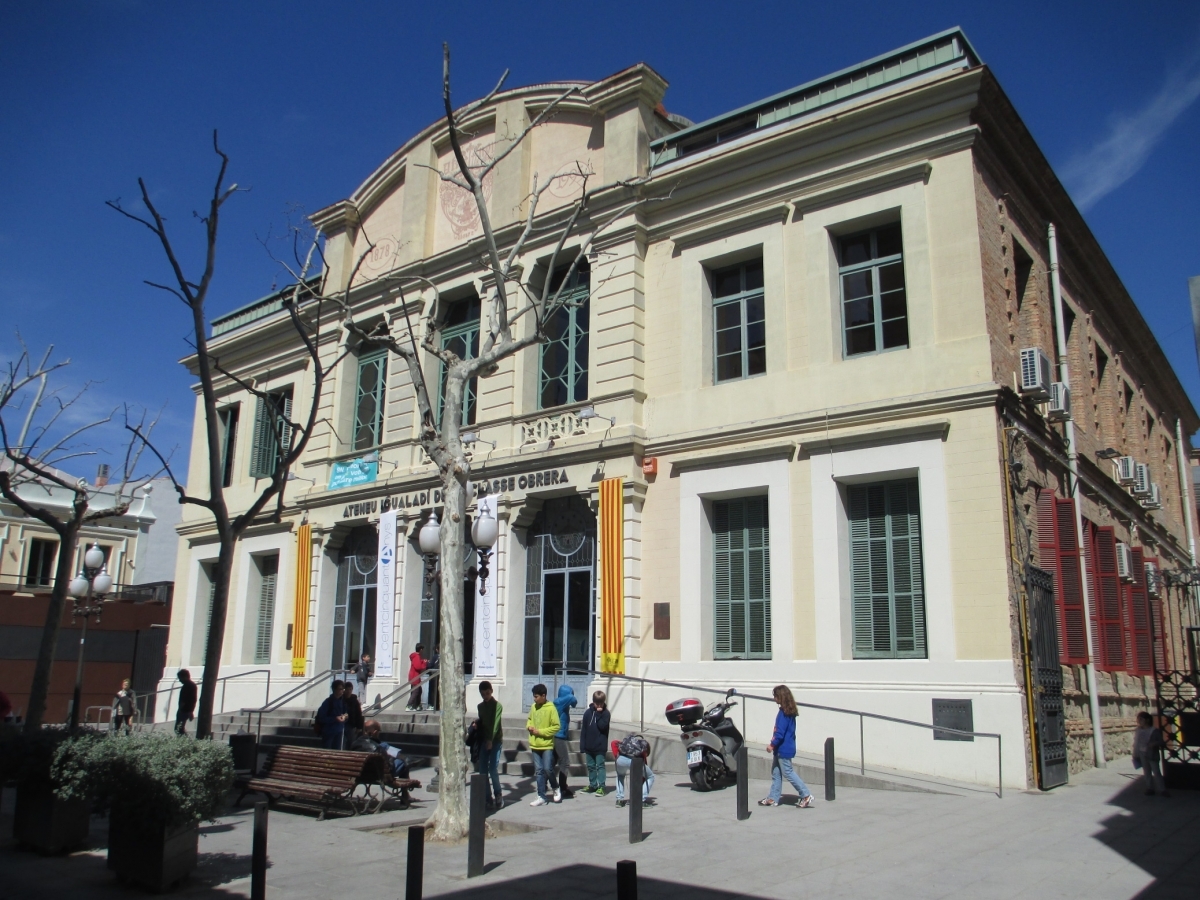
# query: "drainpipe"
{"type": "Point", "coordinates": [1073, 465]}
{"type": "Point", "coordinates": [1185, 491]}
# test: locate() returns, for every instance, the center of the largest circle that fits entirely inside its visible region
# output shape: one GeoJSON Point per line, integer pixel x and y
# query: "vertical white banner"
{"type": "Point", "coordinates": [385, 594]}
{"type": "Point", "coordinates": [484, 662]}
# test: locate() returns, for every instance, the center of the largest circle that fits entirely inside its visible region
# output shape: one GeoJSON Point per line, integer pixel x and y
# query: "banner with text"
{"type": "Point", "coordinates": [484, 662]}
{"type": "Point", "coordinates": [386, 594]}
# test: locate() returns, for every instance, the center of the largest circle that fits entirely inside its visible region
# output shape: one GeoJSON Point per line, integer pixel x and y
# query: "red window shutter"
{"type": "Point", "coordinates": [1058, 552]}
{"type": "Point", "coordinates": [1106, 606]}
{"type": "Point", "coordinates": [1161, 661]}
{"type": "Point", "coordinates": [1137, 619]}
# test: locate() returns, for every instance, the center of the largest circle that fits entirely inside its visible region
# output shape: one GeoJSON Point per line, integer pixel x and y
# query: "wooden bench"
{"type": "Point", "coordinates": [323, 777]}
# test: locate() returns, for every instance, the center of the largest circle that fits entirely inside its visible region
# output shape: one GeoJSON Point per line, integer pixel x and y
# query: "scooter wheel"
{"type": "Point", "coordinates": [700, 779]}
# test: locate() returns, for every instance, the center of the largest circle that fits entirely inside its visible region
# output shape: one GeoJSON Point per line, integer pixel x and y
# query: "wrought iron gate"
{"type": "Point", "coordinates": [1179, 718]}
{"type": "Point", "coordinates": [1049, 719]}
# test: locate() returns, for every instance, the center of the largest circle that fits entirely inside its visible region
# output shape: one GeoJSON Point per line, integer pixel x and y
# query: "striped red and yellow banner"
{"type": "Point", "coordinates": [612, 576]}
{"type": "Point", "coordinates": [303, 588]}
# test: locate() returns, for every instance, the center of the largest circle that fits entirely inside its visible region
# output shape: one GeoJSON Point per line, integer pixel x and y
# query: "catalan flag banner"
{"type": "Point", "coordinates": [612, 576]}
{"type": "Point", "coordinates": [303, 584]}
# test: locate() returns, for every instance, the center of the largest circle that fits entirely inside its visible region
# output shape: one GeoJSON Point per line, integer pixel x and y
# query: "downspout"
{"type": "Point", "coordinates": [1185, 491]}
{"type": "Point", "coordinates": [1073, 465]}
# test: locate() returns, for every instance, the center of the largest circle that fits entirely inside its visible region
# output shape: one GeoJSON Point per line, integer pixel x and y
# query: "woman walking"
{"type": "Point", "coordinates": [783, 749]}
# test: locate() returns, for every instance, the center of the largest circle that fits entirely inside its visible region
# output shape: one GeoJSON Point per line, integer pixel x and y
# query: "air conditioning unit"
{"type": "Point", "coordinates": [1126, 469]}
{"type": "Point", "coordinates": [1141, 481]}
{"type": "Point", "coordinates": [1151, 578]}
{"type": "Point", "coordinates": [1153, 500]}
{"type": "Point", "coordinates": [1060, 402]}
{"type": "Point", "coordinates": [1124, 562]}
{"type": "Point", "coordinates": [1035, 374]}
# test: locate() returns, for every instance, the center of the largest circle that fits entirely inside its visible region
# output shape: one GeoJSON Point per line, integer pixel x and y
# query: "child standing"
{"type": "Point", "coordinates": [783, 749]}
{"type": "Point", "coordinates": [543, 724]}
{"type": "Point", "coordinates": [593, 741]}
{"type": "Point", "coordinates": [1147, 753]}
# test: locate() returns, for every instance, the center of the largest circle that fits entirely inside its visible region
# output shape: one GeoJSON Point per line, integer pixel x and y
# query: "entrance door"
{"type": "Point", "coordinates": [1049, 721]}
{"type": "Point", "coordinates": [354, 606]}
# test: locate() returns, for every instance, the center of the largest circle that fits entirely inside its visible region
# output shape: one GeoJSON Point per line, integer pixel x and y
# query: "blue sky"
{"type": "Point", "coordinates": [311, 97]}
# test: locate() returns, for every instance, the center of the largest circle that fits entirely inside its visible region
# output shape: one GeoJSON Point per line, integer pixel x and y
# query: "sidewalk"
{"type": "Point", "coordinates": [1098, 837]}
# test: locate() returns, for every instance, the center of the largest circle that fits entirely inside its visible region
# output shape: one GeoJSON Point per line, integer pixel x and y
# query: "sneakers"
{"type": "Point", "coordinates": [600, 791]}
{"type": "Point", "coordinates": [558, 796]}
{"type": "Point", "coordinates": [588, 790]}
{"type": "Point", "coordinates": [805, 802]}
{"type": "Point", "coordinates": [498, 803]}
{"type": "Point", "coordinates": [539, 801]}
{"type": "Point", "coordinates": [620, 804]}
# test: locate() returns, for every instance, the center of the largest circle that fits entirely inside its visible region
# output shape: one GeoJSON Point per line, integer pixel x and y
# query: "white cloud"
{"type": "Point", "coordinates": [1097, 172]}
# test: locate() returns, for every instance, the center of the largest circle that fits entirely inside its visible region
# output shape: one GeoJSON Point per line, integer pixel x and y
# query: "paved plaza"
{"type": "Point", "coordinates": [1096, 838]}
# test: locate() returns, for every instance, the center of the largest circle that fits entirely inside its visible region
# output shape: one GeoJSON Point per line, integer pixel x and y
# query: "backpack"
{"type": "Point", "coordinates": [634, 746]}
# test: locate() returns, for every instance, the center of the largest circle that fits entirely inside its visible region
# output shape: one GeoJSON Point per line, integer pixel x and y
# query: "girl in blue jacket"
{"type": "Point", "coordinates": [783, 748]}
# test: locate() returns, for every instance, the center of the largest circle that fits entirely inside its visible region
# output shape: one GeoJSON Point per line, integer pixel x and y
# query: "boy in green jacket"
{"type": "Point", "coordinates": [543, 724]}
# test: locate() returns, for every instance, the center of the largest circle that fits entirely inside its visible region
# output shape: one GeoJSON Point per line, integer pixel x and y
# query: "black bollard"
{"type": "Point", "coordinates": [476, 825]}
{"type": "Point", "coordinates": [415, 879]}
{"type": "Point", "coordinates": [830, 775]}
{"type": "Point", "coordinates": [633, 785]}
{"type": "Point", "coordinates": [258, 858]}
{"type": "Point", "coordinates": [743, 784]}
{"type": "Point", "coordinates": [627, 879]}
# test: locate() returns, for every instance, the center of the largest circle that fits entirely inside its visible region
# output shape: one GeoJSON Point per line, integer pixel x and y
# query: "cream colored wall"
{"type": "Point", "coordinates": [660, 583]}
{"type": "Point", "coordinates": [562, 146]}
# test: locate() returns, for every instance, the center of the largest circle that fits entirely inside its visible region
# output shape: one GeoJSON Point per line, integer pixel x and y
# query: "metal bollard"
{"type": "Point", "coordinates": [258, 858]}
{"type": "Point", "coordinates": [415, 877]}
{"type": "Point", "coordinates": [476, 825]}
{"type": "Point", "coordinates": [830, 775]}
{"type": "Point", "coordinates": [743, 784]}
{"type": "Point", "coordinates": [627, 879]}
{"type": "Point", "coordinates": [637, 776]}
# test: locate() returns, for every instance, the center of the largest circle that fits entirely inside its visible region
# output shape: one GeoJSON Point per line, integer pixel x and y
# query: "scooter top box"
{"type": "Point", "coordinates": [685, 712]}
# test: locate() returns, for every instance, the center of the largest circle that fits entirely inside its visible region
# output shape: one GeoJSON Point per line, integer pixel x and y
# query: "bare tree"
{"type": "Point", "coordinates": [510, 298]}
{"type": "Point", "coordinates": [306, 309]}
{"type": "Point", "coordinates": [31, 476]}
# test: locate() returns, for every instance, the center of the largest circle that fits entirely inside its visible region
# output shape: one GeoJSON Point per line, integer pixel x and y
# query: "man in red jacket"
{"type": "Point", "coordinates": [416, 665]}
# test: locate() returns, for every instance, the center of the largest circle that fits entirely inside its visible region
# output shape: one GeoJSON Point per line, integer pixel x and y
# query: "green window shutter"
{"type": "Point", "coordinates": [262, 454]}
{"type": "Point", "coordinates": [266, 608]}
{"type": "Point", "coordinates": [741, 579]}
{"type": "Point", "coordinates": [284, 403]}
{"type": "Point", "coordinates": [886, 582]}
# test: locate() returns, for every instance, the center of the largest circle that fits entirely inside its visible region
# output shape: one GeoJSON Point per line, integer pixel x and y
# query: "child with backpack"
{"type": "Point", "coordinates": [626, 752]}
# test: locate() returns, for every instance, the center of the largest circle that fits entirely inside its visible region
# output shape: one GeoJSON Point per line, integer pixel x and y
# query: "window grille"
{"type": "Point", "coordinates": [369, 403]}
{"type": "Point", "coordinates": [564, 356]}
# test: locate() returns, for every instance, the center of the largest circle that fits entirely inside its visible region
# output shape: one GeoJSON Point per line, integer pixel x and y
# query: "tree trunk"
{"type": "Point", "coordinates": [36, 709]}
{"type": "Point", "coordinates": [450, 820]}
{"type": "Point", "coordinates": [216, 639]}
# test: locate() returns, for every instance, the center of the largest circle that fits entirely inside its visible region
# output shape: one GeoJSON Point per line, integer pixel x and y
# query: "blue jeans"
{"type": "Point", "coordinates": [780, 769]}
{"type": "Point", "coordinates": [489, 765]}
{"type": "Point", "coordinates": [543, 767]}
{"type": "Point", "coordinates": [595, 767]}
{"type": "Point", "coordinates": [623, 765]}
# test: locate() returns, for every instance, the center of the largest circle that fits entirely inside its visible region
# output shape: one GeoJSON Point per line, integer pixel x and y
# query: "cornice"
{"type": "Point", "coordinates": [336, 217]}
{"type": "Point", "coordinates": [637, 83]}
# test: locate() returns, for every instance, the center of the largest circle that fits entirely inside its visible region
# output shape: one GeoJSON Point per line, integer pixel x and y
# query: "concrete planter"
{"type": "Point", "coordinates": [46, 824]}
{"type": "Point", "coordinates": [154, 857]}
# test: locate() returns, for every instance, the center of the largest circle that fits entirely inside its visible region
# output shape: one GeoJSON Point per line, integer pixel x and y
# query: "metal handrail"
{"type": "Point", "coordinates": [384, 702]}
{"type": "Point", "coordinates": [273, 705]}
{"type": "Point", "coordinates": [87, 714]}
{"type": "Point", "coordinates": [143, 699]}
{"type": "Point", "coordinates": [862, 715]}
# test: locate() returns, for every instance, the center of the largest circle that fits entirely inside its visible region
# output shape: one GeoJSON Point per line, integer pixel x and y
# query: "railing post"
{"type": "Point", "coordinates": [862, 750]}
{"type": "Point", "coordinates": [258, 862]}
{"type": "Point", "coordinates": [414, 877]}
{"type": "Point", "coordinates": [627, 879]}
{"type": "Point", "coordinates": [830, 774]}
{"type": "Point", "coordinates": [642, 709]}
{"type": "Point", "coordinates": [637, 775]}
{"type": "Point", "coordinates": [224, 684]}
{"type": "Point", "coordinates": [743, 784]}
{"type": "Point", "coordinates": [476, 824]}
{"type": "Point", "coordinates": [267, 696]}
{"type": "Point", "coordinates": [1000, 764]}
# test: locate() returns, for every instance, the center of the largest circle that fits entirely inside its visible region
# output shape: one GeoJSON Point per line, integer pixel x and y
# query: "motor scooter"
{"type": "Point", "coordinates": [712, 740]}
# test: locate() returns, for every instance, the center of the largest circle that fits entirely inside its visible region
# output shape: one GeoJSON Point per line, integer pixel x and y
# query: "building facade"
{"type": "Point", "coordinates": [800, 358]}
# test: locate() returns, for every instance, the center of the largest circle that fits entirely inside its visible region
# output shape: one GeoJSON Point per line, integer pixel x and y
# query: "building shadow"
{"type": "Point", "coordinates": [587, 881]}
{"type": "Point", "coordinates": [1158, 835]}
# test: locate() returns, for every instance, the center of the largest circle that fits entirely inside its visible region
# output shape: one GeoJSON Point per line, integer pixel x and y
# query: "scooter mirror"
{"type": "Point", "coordinates": [732, 692]}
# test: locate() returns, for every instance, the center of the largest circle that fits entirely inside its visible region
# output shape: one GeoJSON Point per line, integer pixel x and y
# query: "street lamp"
{"type": "Point", "coordinates": [484, 531]}
{"type": "Point", "coordinates": [86, 590]}
{"type": "Point", "coordinates": [429, 539]}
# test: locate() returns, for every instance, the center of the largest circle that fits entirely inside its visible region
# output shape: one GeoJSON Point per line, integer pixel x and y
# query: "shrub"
{"type": "Point", "coordinates": [155, 779]}
{"type": "Point", "coordinates": [26, 758]}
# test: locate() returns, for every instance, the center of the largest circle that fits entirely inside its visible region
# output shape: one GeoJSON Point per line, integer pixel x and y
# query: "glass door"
{"type": "Point", "coordinates": [354, 606]}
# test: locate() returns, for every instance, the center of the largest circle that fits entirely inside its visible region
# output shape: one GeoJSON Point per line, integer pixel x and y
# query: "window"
{"type": "Point", "coordinates": [874, 304]}
{"type": "Point", "coordinates": [1058, 552]}
{"type": "Point", "coordinates": [368, 405]}
{"type": "Point", "coordinates": [272, 432]}
{"type": "Point", "coordinates": [1145, 648]}
{"type": "Point", "coordinates": [268, 575]}
{"type": "Point", "coordinates": [1107, 625]}
{"type": "Point", "coordinates": [39, 570]}
{"type": "Point", "coordinates": [228, 427]}
{"type": "Point", "coordinates": [887, 592]}
{"type": "Point", "coordinates": [1022, 268]}
{"type": "Point", "coordinates": [741, 579]}
{"type": "Point", "coordinates": [739, 322]}
{"type": "Point", "coordinates": [460, 335]}
{"type": "Point", "coordinates": [564, 370]}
